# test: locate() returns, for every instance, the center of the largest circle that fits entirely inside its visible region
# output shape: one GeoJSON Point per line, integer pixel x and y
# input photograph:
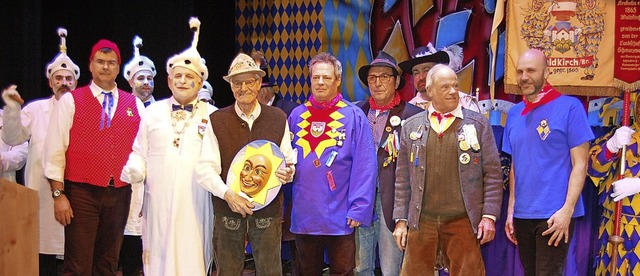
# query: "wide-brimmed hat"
{"type": "Point", "coordinates": [424, 54]}
{"type": "Point", "coordinates": [138, 63]}
{"type": "Point", "coordinates": [190, 58]}
{"type": "Point", "coordinates": [266, 80]}
{"type": "Point", "coordinates": [385, 60]}
{"type": "Point", "coordinates": [243, 64]}
{"type": "Point", "coordinates": [62, 61]}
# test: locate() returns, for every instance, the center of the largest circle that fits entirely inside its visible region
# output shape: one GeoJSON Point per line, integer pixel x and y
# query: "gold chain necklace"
{"type": "Point", "coordinates": [177, 117]}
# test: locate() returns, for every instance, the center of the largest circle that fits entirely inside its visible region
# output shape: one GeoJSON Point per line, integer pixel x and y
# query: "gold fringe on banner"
{"type": "Point", "coordinates": [625, 86]}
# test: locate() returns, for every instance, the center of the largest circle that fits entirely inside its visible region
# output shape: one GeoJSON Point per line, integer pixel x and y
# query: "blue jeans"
{"type": "Point", "coordinates": [366, 240]}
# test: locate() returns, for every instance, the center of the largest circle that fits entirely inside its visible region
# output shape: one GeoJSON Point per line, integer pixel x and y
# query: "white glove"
{"type": "Point", "coordinates": [11, 97]}
{"type": "Point", "coordinates": [131, 175]}
{"type": "Point", "coordinates": [622, 137]}
{"type": "Point", "coordinates": [625, 187]}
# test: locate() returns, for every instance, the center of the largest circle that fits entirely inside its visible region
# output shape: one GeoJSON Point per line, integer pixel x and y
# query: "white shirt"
{"type": "Point", "coordinates": [61, 122]}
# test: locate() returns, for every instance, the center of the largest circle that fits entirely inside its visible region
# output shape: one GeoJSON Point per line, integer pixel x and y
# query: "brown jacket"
{"type": "Point", "coordinates": [480, 177]}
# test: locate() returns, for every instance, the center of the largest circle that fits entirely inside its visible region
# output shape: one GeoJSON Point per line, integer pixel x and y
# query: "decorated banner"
{"type": "Point", "coordinates": [627, 45]}
{"type": "Point", "coordinates": [577, 38]}
{"type": "Point", "coordinates": [252, 173]}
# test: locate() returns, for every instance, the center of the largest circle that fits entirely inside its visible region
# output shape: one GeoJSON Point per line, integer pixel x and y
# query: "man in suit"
{"type": "Point", "coordinates": [385, 112]}
{"type": "Point", "coordinates": [448, 182]}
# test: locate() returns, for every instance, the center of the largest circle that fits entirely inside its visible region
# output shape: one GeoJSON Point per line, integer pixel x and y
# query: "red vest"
{"type": "Point", "coordinates": [94, 155]}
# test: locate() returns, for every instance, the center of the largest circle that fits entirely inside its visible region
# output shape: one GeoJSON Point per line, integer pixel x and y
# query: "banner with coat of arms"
{"type": "Point", "coordinates": [577, 36]}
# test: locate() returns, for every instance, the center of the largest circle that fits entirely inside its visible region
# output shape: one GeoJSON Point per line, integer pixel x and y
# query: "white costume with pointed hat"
{"type": "Point", "coordinates": [177, 221]}
{"type": "Point", "coordinates": [30, 124]}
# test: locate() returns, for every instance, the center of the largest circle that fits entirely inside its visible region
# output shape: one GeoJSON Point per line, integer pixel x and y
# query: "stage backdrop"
{"type": "Point", "coordinates": [290, 33]}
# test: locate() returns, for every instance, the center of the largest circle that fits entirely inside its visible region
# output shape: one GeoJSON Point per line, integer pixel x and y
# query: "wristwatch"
{"type": "Point", "coordinates": [57, 193]}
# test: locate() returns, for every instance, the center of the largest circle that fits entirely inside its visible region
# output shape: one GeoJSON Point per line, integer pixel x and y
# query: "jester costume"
{"type": "Point", "coordinates": [604, 170]}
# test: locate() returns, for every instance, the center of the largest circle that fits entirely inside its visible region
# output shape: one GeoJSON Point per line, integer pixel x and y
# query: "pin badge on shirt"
{"type": "Point", "coordinates": [332, 182]}
{"type": "Point", "coordinates": [129, 112]}
{"type": "Point", "coordinates": [465, 158]}
{"type": "Point", "coordinates": [341, 138]}
{"type": "Point", "coordinates": [387, 129]}
{"type": "Point", "coordinates": [394, 121]}
{"type": "Point", "coordinates": [543, 129]}
{"type": "Point", "coordinates": [332, 157]}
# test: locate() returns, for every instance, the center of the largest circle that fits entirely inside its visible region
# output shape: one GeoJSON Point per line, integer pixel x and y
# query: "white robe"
{"type": "Point", "coordinates": [177, 222]}
{"type": "Point", "coordinates": [31, 124]}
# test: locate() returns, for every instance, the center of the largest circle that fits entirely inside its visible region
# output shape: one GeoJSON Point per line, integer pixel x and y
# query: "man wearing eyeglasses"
{"type": "Point", "coordinates": [85, 150]}
{"type": "Point", "coordinates": [334, 189]}
{"type": "Point", "coordinates": [385, 112]}
{"type": "Point", "coordinates": [230, 130]}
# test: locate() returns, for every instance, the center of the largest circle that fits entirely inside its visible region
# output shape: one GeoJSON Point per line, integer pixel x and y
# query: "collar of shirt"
{"type": "Point", "coordinates": [250, 117]}
{"type": "Point", "coordinates": [273, 99]}
{"type": "Point", "coordinates": [442, 126]}
{"type": "Point", "coordinates": [97, 91]}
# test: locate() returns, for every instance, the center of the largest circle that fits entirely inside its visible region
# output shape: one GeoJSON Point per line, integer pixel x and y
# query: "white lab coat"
{"type": "Point", "coordinates": [31, 124]}
{"type": "Point", "coordinates": [177, 222]}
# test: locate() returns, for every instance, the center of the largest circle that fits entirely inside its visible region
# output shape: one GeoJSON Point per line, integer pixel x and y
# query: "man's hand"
{"type": "Point", "coordinates": [622, 137]}
{"type": "Point", "coordinates": [352, 223]}
{"type": "Point", "coordinates": [11, 97]}
{"type": "Point", "coordinates": [285, 175]}
{"type": "Point", "coordinates": [486, 230]}
{"type": "Point", "coordinates": [558, 225]}
{"type": "Point", "coordinates": [62, 210]}
{"type": "Point", "coordinates": [508, 230]}
{"type": "Point", "coordinates": [131, 174]}
{"type": "Point", "coordinates": [400, 234]}
{"type": "Point", "coordinates": [625, 187]}
{"type": "Point", "coordinates": [238, 204]}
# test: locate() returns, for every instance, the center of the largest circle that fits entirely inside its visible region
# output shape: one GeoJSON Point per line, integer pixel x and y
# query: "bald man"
{"type": "Point", "coordinates": [547, 135]}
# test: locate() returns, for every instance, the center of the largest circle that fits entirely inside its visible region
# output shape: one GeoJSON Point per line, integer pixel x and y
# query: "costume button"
{"type": "Point", "coordinates": [417, 207]}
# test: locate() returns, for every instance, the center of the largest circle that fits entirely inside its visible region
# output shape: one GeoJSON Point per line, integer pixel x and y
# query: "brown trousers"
{"type": "Point", "coordinates": [93, 239]}
{"type": "Point", "coordinates": [458, 244]}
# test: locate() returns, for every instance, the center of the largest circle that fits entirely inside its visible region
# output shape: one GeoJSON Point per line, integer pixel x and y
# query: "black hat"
{"type": "Point", "coordinates": [385, 60]}
{"type": "Point", "coordinates": [266, 81]}
{"type": "Point", "coordinates": [424, 54]}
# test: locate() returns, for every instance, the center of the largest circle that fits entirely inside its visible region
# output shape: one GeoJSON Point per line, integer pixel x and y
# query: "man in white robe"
{"type": "Point", "coordinates": [30, 124]}
{"type": "Point", "coordinates": [177, 212]}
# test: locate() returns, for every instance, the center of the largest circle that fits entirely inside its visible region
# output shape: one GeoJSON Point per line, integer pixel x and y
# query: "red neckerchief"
{"type": "Point", "coordinates": [550, 94]}
{"type": "Point", "coordinates": [394, 102]}
{"type": "Point", "coordinates": [325, 105]}
{"type": "Point", "coordinates": [441, 116]}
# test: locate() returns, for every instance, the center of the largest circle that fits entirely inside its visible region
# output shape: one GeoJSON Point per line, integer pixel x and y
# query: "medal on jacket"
{"type": "Point", "coordinates": [341, 138]}
{"type": "Point", "coordinates": [465, 158]}
{"type": "Point", "coordinates": [129, 112]}
{"type": "Point", "coordinates": [543, 129]}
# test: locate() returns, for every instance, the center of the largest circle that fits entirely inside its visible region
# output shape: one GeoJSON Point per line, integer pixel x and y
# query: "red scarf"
{"type": "Point", "coordinates": [394, 102]}
{"type": "Point", "coordinates": [549, 94]}
{"type": "Point", "coordinates": [325, 105]}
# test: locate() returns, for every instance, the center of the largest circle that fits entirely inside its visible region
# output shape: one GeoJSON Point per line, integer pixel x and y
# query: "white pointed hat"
{"type": "Point", "coordinates": [190, 58]}
{"type": "Point", "coordinates": [138, 62]}
{"type": "Point", "coordinates": [62, 61]}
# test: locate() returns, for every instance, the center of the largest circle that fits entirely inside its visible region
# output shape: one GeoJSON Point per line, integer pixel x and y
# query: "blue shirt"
{"type": "Point", "coordinates": [541, 155]}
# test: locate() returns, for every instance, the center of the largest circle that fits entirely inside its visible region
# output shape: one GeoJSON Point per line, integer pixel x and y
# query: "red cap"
{"type": "Point", "coordinates": [103, 43]}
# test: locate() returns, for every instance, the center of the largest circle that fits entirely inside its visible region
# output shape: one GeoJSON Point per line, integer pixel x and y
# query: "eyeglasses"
{"type": "Point", "coordinates": [249, 82]}
{"type": "Point", "coordinates": [110, 63]}
{"type": "Point", "coordinates": [384, 78]}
